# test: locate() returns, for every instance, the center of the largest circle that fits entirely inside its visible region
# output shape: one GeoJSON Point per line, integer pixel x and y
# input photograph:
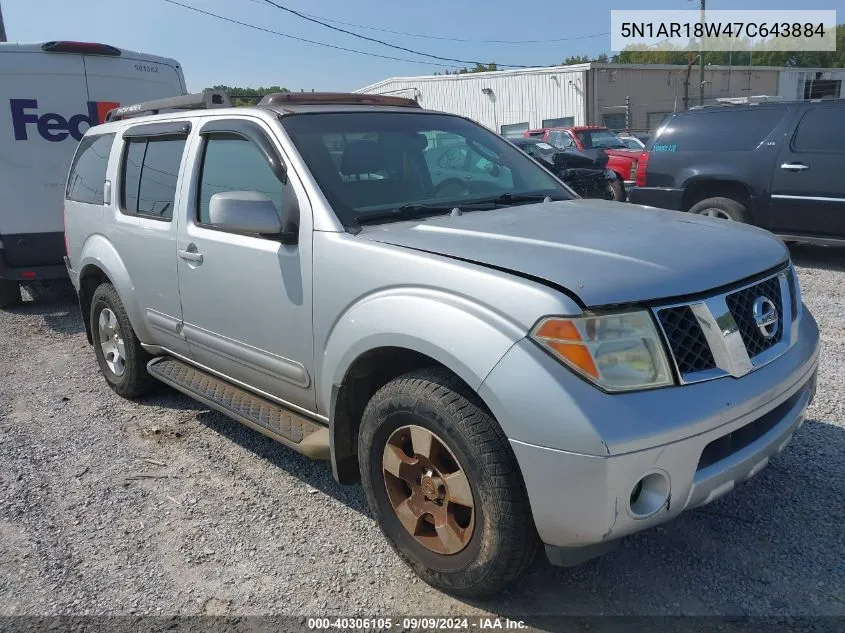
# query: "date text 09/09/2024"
{"type": "Point", "coordinates": [415, 623]}
{"type": "Point", "coordinates": [722, 29]}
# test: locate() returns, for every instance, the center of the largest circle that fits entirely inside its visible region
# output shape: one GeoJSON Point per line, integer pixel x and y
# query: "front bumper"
{"type": "Point", "coordinates": [704, 439]}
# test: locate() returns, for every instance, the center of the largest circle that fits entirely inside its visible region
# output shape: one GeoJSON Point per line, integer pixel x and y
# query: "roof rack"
{"type": "Point", "coordinates": [219, 99]}
{"type": "Point", "coordinates": [199, 101]}
{"type": "Point", "coordinates": [339, 98]}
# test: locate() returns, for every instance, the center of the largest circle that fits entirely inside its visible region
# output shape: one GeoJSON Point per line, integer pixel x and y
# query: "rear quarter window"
{"type": "Point", "coordinates": [88, 171]}
{"type": "Point", "coordinates": [821, 130]}
{"type": "Point", "coordinates": [718, 130]}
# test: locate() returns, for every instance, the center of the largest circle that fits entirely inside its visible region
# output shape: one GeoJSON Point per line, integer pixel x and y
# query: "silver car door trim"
{"type": "Point", "coordinates": [780, 196]}
{"type": "Point", "coordinates": [252, 357]}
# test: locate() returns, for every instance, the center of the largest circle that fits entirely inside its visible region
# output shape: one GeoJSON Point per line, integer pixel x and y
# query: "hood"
{"type": "Point", "coordinates": [575, 158]}
{"type": "Point", "coordinates": [603, 252]}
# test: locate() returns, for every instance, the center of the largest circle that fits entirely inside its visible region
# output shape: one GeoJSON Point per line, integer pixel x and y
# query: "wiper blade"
{"type": "Point", "coordinates": [511, 198]}
{"type": "Point", "coordinates": [405, 212]}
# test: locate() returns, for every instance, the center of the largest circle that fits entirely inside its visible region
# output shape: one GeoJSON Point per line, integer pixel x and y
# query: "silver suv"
{"type": "Point", "coordinates": [500, 363]}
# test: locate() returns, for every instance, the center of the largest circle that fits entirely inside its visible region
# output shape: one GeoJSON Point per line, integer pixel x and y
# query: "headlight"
{"type": "Point", "coordinates": [617, 352]}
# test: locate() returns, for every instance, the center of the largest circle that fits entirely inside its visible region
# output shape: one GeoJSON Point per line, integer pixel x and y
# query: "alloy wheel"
{"type": "Point", "coordinates": [111, 342]}
{"type": "Point", "coordinates": [428, 490]}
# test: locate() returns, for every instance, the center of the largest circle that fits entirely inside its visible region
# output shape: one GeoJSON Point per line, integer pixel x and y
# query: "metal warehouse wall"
{"type": "Point", "coordinates": [515, 96]}
{"type": "Point", "coordinates": [791, 83]}
{"type": "Point", "coordinates": [654, 91]}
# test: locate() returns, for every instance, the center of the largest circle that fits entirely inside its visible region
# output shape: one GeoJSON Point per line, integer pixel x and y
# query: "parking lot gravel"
{"type": "Point", "coordinates": [165, 507]}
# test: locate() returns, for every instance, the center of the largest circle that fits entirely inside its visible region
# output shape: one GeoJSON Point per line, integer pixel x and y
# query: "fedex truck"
{"type": "Point", "coordinates": [50, 94]}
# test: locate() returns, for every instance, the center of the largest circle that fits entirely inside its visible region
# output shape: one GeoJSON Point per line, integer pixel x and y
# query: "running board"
{"type": "Point", "coordinates": [294, 431]}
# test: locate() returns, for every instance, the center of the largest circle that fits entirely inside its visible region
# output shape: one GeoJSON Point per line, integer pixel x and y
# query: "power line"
{"type": "Point", "coordinates": [382, 42]}
{"type": "Point", "coordinates": [302, 39]}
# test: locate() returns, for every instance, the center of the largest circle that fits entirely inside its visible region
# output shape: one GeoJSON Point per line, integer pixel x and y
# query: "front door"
{"type": "Point", "coordinates": [808, 187]}
{"type": "Point", "coordinates": [246, 299]}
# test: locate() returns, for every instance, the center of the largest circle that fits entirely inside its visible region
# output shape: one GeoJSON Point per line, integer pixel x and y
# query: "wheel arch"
{"type": "Point", "coordinates": [700, 189]}
{"type": "Point", "coordinates": [394, 331]}
{"type": "Point", "coordinates": [101, 263]}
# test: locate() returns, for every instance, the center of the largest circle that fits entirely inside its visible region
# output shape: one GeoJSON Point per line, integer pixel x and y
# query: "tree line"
{"type": "Point", "coordinates": [639, 54]}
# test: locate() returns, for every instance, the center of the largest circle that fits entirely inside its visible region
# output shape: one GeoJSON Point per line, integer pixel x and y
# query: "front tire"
{"type": "Point", "coordinates": [10, 294]}
{"type": "Point", "coordinates": [724, 208]}
{"type": "Point", "coordinates": [444, 486]}
{"type": "Point", "coordinates": [119, 353]}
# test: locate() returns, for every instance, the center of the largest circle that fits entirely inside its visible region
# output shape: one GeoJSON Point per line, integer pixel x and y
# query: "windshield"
{"type": "Point", "coordinates": [373, 162]}
{"type": "Point", "coordinates": [600, 139]}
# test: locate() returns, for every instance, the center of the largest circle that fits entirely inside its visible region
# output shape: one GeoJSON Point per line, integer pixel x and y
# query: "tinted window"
{"type": "Point", "coordinates": [150, 173]}
{"type": "Point", "coordinates": [821, 129]}
{"type": "Point", "coordinates": [720, 130]}
{"type": "Point", "coordinates": [88, 172]}
{"type": "Point", "coordinates": [232, 163]}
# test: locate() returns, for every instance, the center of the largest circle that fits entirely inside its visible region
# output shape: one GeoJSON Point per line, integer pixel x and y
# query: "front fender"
{"type": "Point", "coordinates": [98, 252]}
{"type": "Point", "coordinates": [461, 334]}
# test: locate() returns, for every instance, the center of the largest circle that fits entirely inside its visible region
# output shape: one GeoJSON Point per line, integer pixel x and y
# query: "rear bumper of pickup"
{"type": "Point", "coordinates": [582, 502]}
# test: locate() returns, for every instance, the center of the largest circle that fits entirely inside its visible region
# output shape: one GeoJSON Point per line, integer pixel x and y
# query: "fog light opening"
{"type": "Point", "coordinates": [648, 495]}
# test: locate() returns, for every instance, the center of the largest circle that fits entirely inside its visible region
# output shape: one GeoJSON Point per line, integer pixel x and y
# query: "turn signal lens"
{"type": "Point", "coordinates": [618, 352]}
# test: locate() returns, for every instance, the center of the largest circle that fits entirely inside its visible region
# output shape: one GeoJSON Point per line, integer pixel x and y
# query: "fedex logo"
{"type": "Point", "coordinates": [51, 126]}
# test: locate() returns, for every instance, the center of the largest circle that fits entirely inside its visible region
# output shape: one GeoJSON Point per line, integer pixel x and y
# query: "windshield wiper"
{"type": "Point", "coordinates": [508, 199]}
{"type": "Point", "coordinates": [405, 212]}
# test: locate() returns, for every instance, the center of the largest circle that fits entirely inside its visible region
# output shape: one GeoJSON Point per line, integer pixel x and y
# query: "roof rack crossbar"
{"type": "Point", "coordinates": [198, 101]}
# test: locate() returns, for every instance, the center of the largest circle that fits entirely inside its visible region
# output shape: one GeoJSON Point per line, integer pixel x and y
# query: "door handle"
{"type": "Point", "coordinates": [191, 256]}
{"type": "Point", "coordinates": [795, 166]}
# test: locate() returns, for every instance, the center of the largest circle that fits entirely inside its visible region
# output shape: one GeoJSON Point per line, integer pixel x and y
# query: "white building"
{"type": "Point", "coordinates": [633, 97]}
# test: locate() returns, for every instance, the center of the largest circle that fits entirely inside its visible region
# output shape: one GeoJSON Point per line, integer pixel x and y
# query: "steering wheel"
{"type": "Point", "coordinates": [453, 188]}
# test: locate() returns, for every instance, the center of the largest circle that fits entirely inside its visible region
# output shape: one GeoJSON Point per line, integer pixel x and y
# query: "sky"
{"type": "Point", "coordinates": [214, 52]}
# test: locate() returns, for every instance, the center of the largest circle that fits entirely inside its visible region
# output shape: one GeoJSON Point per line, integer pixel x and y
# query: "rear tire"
{"type": "Point", "coordinates": [10, 294]}
{"type": "Point", "coordinates": [724, 208]}
{"type": "Point", "coordinates": [468, 485]}
{"type": "Point", "coordinates": [119, 353]}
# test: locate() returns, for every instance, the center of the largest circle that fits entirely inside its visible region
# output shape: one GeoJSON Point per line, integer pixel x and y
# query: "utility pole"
{"type": "Point", "coordinates": [2, 27]}
{"type": "Point", "coordinates": [701, 60]}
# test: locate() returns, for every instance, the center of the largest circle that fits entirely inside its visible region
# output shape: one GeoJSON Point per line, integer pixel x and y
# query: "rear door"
{"type": "Point", "coordinates": [131, 78]}
{"type": "Point", "coordinates": [808, 186]}
{"type": "Point", "coordinates": [42, 100]}
{"type": "Point", "coordinates": [143, 225]}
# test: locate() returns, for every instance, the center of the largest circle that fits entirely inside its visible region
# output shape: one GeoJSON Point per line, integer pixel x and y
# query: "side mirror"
{"type": "Point", "coordinates": [244, 211]}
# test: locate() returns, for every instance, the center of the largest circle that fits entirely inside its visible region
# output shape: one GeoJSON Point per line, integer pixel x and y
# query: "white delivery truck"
{"type": "Point", "coordinates": [50, 94]}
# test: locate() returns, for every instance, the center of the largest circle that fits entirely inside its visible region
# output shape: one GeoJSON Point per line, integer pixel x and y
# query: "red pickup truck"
{"type": "Point", "coordinates": [620, 159]}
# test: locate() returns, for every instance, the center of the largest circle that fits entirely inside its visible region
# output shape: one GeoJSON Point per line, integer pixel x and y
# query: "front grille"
{"type": "Point", "coordinates": [587, 183]}
{"type": "Point", "coordinates": [686, 339]}
{"type": "Point", "coordinates": [741, 306]}
{"type": "Point", "coordinates": [734, 344]}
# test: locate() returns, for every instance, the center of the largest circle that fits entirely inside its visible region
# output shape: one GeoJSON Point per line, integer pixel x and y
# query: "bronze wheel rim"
{"type": "Point", "coordinates": [428, 490]}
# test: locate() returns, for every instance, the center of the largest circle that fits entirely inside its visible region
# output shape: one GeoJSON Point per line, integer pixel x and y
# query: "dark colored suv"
{"type": "Point", "coordinates": [779, 165]}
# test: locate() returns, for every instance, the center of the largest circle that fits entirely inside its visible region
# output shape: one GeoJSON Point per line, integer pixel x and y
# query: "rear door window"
{"type": "Point", "coordinates": [149, 176]}
{"type": "Point", "coordinates": [821, 130]}
{"type": "Point", "coordinates": [88, 172]}
{"type": "Point", "coordinates": [721, 129]}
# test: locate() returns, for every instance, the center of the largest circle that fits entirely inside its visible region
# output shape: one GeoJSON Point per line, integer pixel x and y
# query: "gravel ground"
{"type": "Point", "coordinates": [164, 507]}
